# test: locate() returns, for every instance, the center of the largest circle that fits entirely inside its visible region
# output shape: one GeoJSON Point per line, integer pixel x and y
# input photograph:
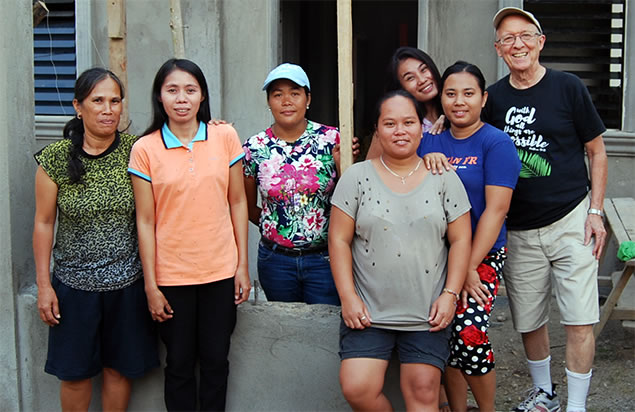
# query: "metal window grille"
{"type": "Point", "coordinates": [55, 59]}
{"type": "Point", "coordinates": [586, 38]}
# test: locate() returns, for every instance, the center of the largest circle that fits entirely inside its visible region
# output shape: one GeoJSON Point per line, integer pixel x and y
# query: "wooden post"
{"type": "Point", "coordinates": [118, 60]}
{"type": "Point", "coordinates": [176, 25]}
{"type": "Point", "coordinates": [345, 80]}
{"type": "Point", "coordinates": [39, 11]}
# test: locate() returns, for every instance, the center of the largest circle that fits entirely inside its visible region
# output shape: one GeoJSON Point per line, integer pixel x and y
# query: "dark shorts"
{"type": "Point", "coordinates": [102, 330]}
{"type": "Point", "coordinates": [431, 348]}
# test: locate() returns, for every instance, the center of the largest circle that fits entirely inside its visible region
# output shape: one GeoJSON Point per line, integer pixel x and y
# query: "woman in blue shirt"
{"type": "Point", "coordinates": [486, 161]}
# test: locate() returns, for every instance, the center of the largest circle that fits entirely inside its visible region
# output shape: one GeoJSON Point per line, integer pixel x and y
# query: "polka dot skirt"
{"type": "Point", "coordinates": [471, 350]}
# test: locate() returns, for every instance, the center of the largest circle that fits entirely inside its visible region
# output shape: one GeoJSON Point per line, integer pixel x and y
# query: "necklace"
{"type": "Point", "coordinates": [403, 178]}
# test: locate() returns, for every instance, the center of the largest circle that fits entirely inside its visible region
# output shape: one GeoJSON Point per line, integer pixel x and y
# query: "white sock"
{"type": "Point", "coordinates": [577, 389]}
{"type": "Point", "coordinates": [541, 373]}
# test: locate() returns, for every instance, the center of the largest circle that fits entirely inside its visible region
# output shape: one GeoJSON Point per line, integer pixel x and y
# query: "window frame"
{"type": "Point", "coordinates": [50, 126]}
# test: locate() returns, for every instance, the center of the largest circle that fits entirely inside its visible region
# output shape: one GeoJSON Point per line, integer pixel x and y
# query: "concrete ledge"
{"type": "Point", "coordinates": [284, 357]}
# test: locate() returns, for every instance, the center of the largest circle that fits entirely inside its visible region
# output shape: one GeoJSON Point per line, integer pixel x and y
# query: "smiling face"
{"type": "Point", "coordinates": [462, 100]}
{"type": "Point", "coordinates": [288, 102]}
{"type": "Point", "coordinates": [398, 127]}
{"type": "Point", "coordinates": [519, 56]}
{"type": "Point", "coordinates": [100, 111]}
{"type": "Point", "coordinates": [416, 78]}
{"type": "Point", "coordinates": [181, 97]}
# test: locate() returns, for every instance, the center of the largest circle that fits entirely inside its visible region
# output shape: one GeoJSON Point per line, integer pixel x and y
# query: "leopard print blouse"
{"type": "Point", "coordinates": [96, 245]}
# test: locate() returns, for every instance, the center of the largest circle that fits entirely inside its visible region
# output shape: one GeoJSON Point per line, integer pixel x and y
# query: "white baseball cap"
{"type": "Point", "coordinates": [507, 11]}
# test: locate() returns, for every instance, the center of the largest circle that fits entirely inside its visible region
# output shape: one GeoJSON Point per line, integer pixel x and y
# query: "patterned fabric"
{"type": "Point", "coordinates": [471, 350]}
{"type": "Point", "coordinates": [398, 272]}
{"type": "Point", "coordinates": [96, 241]}
{"type": "Point", "coordinates": [296, 182]}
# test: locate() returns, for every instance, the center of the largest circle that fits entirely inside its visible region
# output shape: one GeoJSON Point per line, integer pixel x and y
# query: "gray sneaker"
{"type": "Point", "coordinates": [539, 401]}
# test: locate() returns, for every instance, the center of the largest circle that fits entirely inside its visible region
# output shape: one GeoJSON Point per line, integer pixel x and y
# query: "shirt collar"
{"type": "Point", "coordinates": [172, 142]}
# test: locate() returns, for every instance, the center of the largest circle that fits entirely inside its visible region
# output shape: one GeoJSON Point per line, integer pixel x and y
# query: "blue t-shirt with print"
{"type": "Point", "coordinates": [487, 158]}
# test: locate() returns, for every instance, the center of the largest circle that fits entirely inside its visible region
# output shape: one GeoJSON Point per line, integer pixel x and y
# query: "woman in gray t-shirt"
{"type": "Point", "coordinates": [397, 279]}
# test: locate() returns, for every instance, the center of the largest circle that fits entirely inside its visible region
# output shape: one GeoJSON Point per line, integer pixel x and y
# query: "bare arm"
{"type": "Point", "coordinates": [497, 201]}
{"type": "Point", "coordinates": [594, 225]}
{"type": "Point", "coordinates": [341, 230]}
{"type": "Point", "coordinates": [43, 227]}
{"type": "Point", "coordinates": [144, 200]}
{"type": "Point", "coordinates": [460, 239]}
{"type": "Point", "coordinates": [375, 150]}
{"type": "Point", "coordinates": [251, 191]}
{"type": "Point", "coordinates": [239, 215]}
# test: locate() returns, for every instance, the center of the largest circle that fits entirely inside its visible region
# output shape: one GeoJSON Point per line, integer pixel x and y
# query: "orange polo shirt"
{"type": "Point", "coordinates": [195, 241]}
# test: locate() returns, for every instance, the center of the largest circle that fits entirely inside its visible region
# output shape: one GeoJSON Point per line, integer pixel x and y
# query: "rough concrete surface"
{"type": "Point", "coordinates": [284, 358]}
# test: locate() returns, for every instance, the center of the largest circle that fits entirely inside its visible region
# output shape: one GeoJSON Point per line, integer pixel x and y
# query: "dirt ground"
{"type": "Point", "coordinates": [613, 383]}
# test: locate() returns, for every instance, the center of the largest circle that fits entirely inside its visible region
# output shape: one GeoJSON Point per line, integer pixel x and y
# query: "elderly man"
{"type": "Point", "coordinates": [555, 228]}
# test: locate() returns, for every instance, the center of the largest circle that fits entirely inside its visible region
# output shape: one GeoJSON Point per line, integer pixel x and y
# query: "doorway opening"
{"type": "Point", "coordinates": [309, 38]}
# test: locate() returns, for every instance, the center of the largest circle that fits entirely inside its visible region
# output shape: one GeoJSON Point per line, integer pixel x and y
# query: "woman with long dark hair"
{"type": "Point", "coordinates": [95, 304]}
{"type": "Point", "coordinates": [192, 220]}
{"type": "Point", "coordinates": [414, 71]}
{"type": "Point", "coordinates": [487, 163]}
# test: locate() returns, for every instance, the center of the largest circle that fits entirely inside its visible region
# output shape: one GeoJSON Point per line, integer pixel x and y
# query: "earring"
{"type": "Point", "coordinates": [79, 116]}
{"type": "Point", "coordinates": [307, 107]}
{"type": "Point", "coordinates": [269, 108]}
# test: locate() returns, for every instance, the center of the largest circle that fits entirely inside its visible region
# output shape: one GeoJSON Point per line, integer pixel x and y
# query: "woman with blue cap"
{"type": "Point", "coordinates": [293, 164]}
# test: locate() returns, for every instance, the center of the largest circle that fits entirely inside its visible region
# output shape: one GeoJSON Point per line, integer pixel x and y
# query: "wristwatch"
{"type": "Point", "coordinates": [592, 211]}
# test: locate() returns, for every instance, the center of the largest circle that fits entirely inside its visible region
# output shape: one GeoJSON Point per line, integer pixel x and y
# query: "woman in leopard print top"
{"type": "Point", "coordinates": [94, 304]}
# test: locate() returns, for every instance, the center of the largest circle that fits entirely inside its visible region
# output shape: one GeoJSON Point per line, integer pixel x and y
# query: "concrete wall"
{"type": "Point", "coordinates": [16, 186]}
{"type": "Point", "coordinates": [283, 358]}
{"type": "Point", "coordinates": [460, 30]}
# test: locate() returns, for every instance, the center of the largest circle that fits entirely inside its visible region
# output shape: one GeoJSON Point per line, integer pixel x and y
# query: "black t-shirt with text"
{"type": "Point", "coordinates": [549, 123]}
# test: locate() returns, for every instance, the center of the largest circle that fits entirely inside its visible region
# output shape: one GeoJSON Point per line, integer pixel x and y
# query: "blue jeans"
{"type": "Point", "coordinates": [305, 278]}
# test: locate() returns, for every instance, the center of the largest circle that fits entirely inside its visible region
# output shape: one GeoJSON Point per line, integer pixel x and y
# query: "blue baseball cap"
{"type": "Point", "coordinates": [288, 71]}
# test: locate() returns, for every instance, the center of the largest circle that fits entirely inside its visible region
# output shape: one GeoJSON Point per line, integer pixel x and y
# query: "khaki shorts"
{"type": "Point", "coordinates": [552, 255]}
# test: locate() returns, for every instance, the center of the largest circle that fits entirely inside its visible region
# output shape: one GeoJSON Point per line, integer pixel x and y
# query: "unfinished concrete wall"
{"type": "Point", "coordinates": [283, 358]}
{"type": "Point", "coordinates": [16, 186]}
{"type": "Point", "coordinates": [460, 30]}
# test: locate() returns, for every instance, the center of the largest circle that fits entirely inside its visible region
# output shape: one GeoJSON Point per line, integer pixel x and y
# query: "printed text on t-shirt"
{"type": "Point", "coordinates": [516, 122]}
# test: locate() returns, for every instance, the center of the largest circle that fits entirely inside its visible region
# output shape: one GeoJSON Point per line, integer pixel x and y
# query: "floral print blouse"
{"type": "Point", "coordinates": [296, 182]}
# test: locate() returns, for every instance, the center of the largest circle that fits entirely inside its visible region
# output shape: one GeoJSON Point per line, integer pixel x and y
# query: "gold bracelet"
{"type": "Point", "coordinates": [453, 293]}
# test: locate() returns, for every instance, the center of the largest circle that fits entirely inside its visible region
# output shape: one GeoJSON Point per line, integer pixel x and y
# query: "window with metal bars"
{"type": "Point", "coordinates": [586, 38]}
{"type": "Point", "coordinates": [55, 58]}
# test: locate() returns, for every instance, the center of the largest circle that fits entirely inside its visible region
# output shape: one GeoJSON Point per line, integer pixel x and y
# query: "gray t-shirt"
{"type": "Point", "coordinates": [399, 247]}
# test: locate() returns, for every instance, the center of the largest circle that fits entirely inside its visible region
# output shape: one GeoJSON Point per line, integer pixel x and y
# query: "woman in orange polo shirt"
{"type": "Point", "coordinates": [192, 224]}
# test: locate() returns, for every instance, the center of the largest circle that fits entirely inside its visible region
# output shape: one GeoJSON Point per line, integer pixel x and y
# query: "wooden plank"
{"type": "Point", "coordinates": [625, 207]}
{"type": "Point", "coordinates": [176, 26]}
{"type": "Point", "coordinates": [40, 11]}
{"type": "Point", "coordinates": [620, 313]}
{"type": "Point", "coordinates": [605, 281]}
{"type": "Point", "coordinates": [614, 221]}
{"type": "Point", "coordinates": [116, 19]}
{"type": "Point", "coordinates": [611, 301]}
{"type": "Point", "coordinates": [345, 80]}
{"type": "Point", "coordinates": [117, 47]}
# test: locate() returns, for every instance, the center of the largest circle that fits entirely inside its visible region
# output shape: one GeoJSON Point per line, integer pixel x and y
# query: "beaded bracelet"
{"type": "Point", "coordinates": [453, 293]}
